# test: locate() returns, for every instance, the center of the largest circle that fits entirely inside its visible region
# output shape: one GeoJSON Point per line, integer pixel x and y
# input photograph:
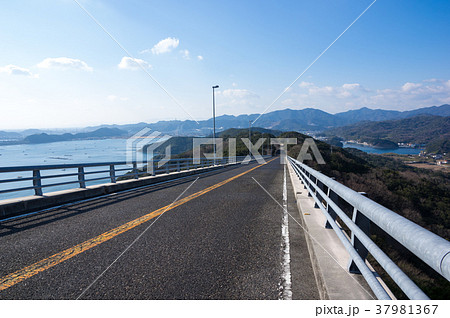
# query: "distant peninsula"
{"type": "Point", "coordinates": [432, 132]}
{"type": "Point", "coordinates": [42, 138]}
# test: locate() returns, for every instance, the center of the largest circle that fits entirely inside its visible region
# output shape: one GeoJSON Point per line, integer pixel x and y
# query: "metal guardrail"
{"type": "Point", "coordinates": [84, 173]}
{"type": "Point", "coordinates": [330, 196]}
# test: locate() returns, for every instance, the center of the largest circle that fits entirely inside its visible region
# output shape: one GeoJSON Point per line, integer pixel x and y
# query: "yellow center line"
{"type": "Point", "coordinates": [42, 265]}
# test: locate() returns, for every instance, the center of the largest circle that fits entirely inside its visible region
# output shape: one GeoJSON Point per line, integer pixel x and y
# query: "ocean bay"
{"type": "Point", "coordinates": [56, 153]}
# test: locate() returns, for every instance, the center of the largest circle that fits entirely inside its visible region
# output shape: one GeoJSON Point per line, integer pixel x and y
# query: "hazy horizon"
{"type": "Point", "coordinates": [74, 128]}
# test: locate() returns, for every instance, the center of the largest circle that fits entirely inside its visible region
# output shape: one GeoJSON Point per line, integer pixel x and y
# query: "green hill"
{"type": "Point", "coordinates": [234, 132]}
{"type": "Point", "coordinates": [433, 131]}
{"type": "Point", "coordinates": [177, 145]}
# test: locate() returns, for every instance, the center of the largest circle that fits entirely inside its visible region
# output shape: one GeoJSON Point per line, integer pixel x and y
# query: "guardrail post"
{"type": "Point", "coordinates": [335, 198]}
{"type": "Point", "coordinates": [37, 182]}
{"type": "Point", "coordinates": [364, 224]}
{"type": "Point", "coordinates": [308, 182]}
{"type": "Point", "coordinates": [167, 167]}
{"type": "Point", "coordinates": [112, 173]}
{"type": "Point", "coordinates": [178, 166]}
{"type": "Point", "coordinates": [316, 205]}
{"type": "Point", "coordinates": [81, 179]}
{"type": "Point", "coordinates": [153, 168]}
{"type": "Point", "coordinates": [135, 170]}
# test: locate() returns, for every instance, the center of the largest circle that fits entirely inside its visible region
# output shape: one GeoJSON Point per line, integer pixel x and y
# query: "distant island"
{"type": "Point", "coordinates": [41, 138]}
{"type": "Point", "coordinates": [383, 144]}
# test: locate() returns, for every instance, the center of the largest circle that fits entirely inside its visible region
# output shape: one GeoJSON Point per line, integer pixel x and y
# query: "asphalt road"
{"type": "Point", "coordinates": [221, 240]}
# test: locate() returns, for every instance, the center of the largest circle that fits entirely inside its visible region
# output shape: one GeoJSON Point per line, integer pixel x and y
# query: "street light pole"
{"type": "Point", "coordinates": [214, 122]}
{"type": "Point", "coordinates": [249, 136]}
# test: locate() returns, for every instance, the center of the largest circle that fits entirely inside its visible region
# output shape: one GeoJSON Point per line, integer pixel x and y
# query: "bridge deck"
{"type": "Point", "coordinates": [221, 240]}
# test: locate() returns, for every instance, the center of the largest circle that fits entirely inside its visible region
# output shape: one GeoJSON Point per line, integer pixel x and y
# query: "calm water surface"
{"type": "Point", "coordinates": [400, 151]}
{"type": "Point", "coordinates": [66, 152]}
{"type": "Point", "coordinates": [77, 151]}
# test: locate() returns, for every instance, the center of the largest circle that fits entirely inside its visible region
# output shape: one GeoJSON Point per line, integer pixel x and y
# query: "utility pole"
{"type": "Point", "coordinates": [214, 122]}
{"type": "Point", "coordinates": [249, 136]}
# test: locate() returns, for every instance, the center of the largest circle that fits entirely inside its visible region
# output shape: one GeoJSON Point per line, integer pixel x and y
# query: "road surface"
{"type": "Point", "coordinates": [220, 235]}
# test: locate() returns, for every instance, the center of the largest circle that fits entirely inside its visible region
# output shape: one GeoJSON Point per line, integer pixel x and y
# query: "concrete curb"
{"type": "Point", "coordinates": [329, 266]}
{"type": "Point", "coordinates": [23, 205]}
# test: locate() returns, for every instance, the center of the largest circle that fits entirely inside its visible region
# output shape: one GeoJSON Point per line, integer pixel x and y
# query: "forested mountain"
{"type": "Point", "coordinates": [365, 113]}
{"type": "Point", "coordinates": [303, 120]}
{"type": "Point", "coordinates": [308, 119]}
{"type": "Point", "coordinates": [433, 131]}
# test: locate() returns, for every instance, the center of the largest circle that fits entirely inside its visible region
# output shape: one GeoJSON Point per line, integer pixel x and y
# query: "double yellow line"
{"type": "Point", "coordinates": [24, 273]}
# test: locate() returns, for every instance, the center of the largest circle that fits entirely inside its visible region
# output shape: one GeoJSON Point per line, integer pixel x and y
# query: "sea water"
{"type": "Point", "coordinates": [56, 153]}
{"type": "Point", "coordinates": [400, 151]}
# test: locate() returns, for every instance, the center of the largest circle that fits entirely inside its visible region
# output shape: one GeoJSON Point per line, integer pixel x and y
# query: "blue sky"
{"type": "Point", "coordinates": [58, 68]}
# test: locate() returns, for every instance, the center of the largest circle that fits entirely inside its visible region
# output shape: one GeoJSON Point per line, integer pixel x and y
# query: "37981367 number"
{"type": "Point", "coordinates": [406, 309]}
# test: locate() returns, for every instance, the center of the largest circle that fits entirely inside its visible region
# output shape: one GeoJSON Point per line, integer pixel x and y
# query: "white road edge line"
{"type": "Point", "coordinates": [286, 282]}
{"type": "Point", "coordinates": [313, 238]}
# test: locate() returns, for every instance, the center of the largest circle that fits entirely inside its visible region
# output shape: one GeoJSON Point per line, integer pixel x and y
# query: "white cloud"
{"type": "Point", "coordinates": [305, 84]}
{"type": "Point", "coordinates": [447, 84]}
{"type": "Point", "coordinates": [163, 46]}
{"type": "Point", "coordinates": [16, 70]}
{"type": "Point", "coordinates": [428, 92]}
{"type": "Point", "coordinates": [185, 54]}
{"type": "Point", "coordinates": [65, 63]}
{"type": "Point", "coordinates": [410, 86]}
{"type": "Point", "coordinates": [238, 93]}
{"type": "Point", "coordinates": [199, 57]}
{"type": "Point", "coordinates": [354, 95]}
{"type": "Point", "coordinates": [325, 90]}
{"type": "Point", "coordinates": [113, 98]}
{"type": "Point", "coordinates": [129, 63]}
{"type": "Point", "coordinates": [234, 100]}
{"type": "Point", "coordinates": [351, 86]}
{"type": "Point", "coordinates": [344, 94]}
{"type": "Point", "coordinates": [348, 90]}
